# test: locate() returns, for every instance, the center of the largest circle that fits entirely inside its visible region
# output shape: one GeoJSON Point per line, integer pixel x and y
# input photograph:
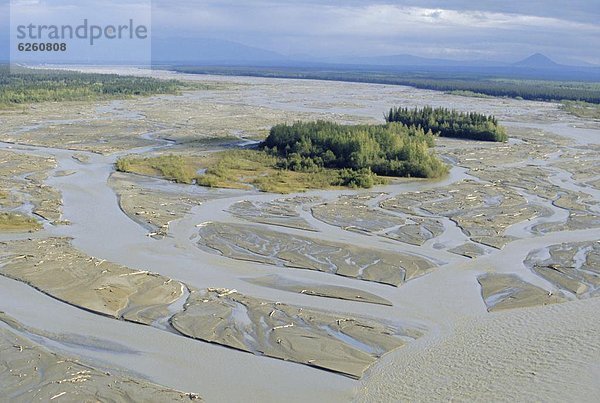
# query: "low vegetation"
{"type": "Point", "coordinates": [450, 123]}
{"type": "Point", "coordinates": [243, 169]}
{"type": "Point", "coordinates": [582, 109]}
{"type": "Point", "coordinates": [173, 167]}
{"type": "Point", "coordinates": [18, 222]}
{"type": "Point", "coordinates": [17, 88]}
{"type": "Point", "coordinates": [261, 170]}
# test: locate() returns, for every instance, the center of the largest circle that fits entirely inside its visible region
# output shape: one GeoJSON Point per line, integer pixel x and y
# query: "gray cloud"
{"type": "Point", "coordinates": [505, 30]}
{"type": "Point", "coordinates": [487, 29]}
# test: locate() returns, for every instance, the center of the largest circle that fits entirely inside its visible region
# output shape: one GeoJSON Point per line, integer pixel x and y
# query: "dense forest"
{"type": "Point", "coordinates": [450, 123]}
{"type": "Point", "coordinates": [38, 86]}
{"type": "Point", "coordinates": [538, 90]}
{"type": "Point", "coordinates": [390, 150]}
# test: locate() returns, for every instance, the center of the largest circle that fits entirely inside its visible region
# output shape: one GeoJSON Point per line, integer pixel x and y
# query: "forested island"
{"type": "Point", "coordinates": [314, 155]}
{"type": "Point", "coordinates": [17, 88]}
{"type": "Point", "coordinates": [450, 123]}
{"type": "Point", "coordinates": [304, 156]}
{"type": "Point", "coordinates": [393, 149]}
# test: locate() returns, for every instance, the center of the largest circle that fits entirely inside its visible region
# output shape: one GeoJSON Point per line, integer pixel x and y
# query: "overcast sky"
{"type": "Point", "coordinates": [507, 30]}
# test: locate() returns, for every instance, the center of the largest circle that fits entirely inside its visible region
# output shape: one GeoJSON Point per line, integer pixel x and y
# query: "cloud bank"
{"type": "Point", "coordinates": [495, 30]}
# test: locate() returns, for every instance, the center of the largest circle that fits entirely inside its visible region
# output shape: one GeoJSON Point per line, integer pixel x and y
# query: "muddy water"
{"type": "Point", "coordinates": [99, 228]}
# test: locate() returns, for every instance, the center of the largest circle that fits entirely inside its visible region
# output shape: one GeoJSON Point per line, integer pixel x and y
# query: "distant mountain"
{"type": "Point", "coordinates": [216, 52]}
{"type": "Point", "coordinates": [537, 60]}
{"type": "Point", "coordinates": [210, 52]}
{"type": "Point", "coordinates": [536, 66]}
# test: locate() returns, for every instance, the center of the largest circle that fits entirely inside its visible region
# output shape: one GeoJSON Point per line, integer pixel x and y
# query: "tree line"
{"type": "Point", "coordinates": [537, 90]}
{"type": "Point", "coordinates": [450, 123]}
{"type": "Point", "coordinates": [23, 88]}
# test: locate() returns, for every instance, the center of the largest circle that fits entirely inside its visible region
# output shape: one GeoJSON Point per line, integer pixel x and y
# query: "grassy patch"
{"type": "Point", "coordinates": [582, 109]}
{"type": "Point", "coordinates": [245, 169]}
{"type": "Point", "coordinates": [18, 222]}
{"type": "Point", "coordinates": [173, 167]}
{"type": "Point", "coordinates": [248, 168]}
{"type": "Point", "coordinates": [236, 169]}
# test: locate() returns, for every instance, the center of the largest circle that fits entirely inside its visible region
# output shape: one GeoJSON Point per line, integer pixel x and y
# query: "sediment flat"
{"type": "Point", "coordinates": [30, 372]}
{"type": "Point", "coordinates": [320, 290]}
{"type": "Point", "coordinates": [316, 338]}
{"type": "Point", "coordinates": [502, 250]}
{"type": "Point", "coordinates": [271, 247]}
{"type": "Point", "coordinates": [55, 268]}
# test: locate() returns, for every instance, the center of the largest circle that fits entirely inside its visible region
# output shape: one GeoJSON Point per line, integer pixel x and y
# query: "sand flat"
{"type": "Point", "coordinates": [265, 246]}
{"type": "Point", "coordinates": [319, 290]}
{"type": "Point", "coordinates": [30, 372]}
{"type": "Point", "coordinates": [55, 268]}
{"type": "Point", "coordinates": [334, 342]}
